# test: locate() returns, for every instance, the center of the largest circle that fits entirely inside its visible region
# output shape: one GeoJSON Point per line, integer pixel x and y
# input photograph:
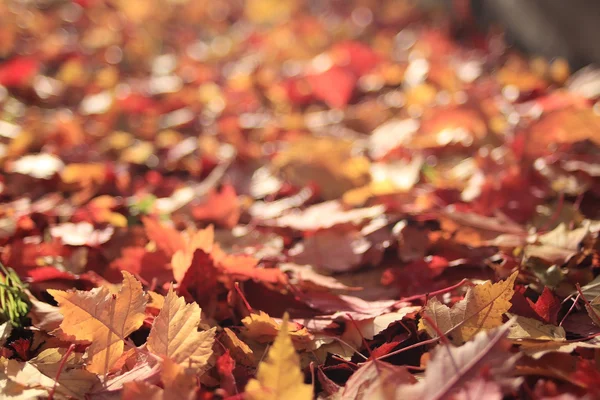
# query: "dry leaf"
{"type": "Point", "coordinates": [174, 334]}
{"type": "Point", "coordinates": [41, 371]}
{"type": "Point", "coordinates": [451, 368]}
{"type": "Point", "coordinates": [178, 384]}
{"type": "Point", "coordinates": [532, 329]}
{"type": "Point", "coordinates": [481, 309]}
{"type": "Point", "coordinates": [328, 162]}
{"type": "Point", "coordinates": [593, 310]}
{"type": "Point", "coordinates": [240, 351]}
{"type": "Point", "coordinates": [103, 319]}
{"type": "Point", "coordinates": [262, 328]}
{"type": "Point", "coordinates": [166, 238]}
{"type": "Point", "coordinates": [376, 380]}
{"type": "Point", "coordinates": [332, 250]}
{"type": "Point", "coordinates": [279, 375]}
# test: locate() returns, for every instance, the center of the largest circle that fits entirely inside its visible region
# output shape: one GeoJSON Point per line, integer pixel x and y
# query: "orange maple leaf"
{"type": "Point", "coordinates": [104, 319]}
{"type": "Point", "coordinates": [222, 208]}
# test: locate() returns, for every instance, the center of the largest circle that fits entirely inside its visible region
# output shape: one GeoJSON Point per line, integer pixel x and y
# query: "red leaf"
{"type": "Point", "coordinates": [22, 347]}
{"type": "Point", "coordinates": [547, 306]}
{"type": "Point", "coordinates": [334, 86]}
{"type": "Point", "coordinates": [357, 56]}
{"type": "Point", "coordinates": [222, 208]}
{"type": "Point", "coordinates": [200, 280]}
{"type": "Point", "coordinates": [18, 71]}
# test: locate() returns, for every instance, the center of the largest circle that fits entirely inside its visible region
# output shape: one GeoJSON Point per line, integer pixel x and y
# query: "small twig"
{"type": "Point", "coordinates": [587, 303]}
{"type": "Point", "coordinates": [63, 361]}
{"type": "Point", "coordinates": [360, 333]}
{"type": "Point", "coordinates": [570, 309]}
{"type": "Point", "coordinates": [435, 293]}
{"type": "Point", "coordinates": [239, 291]}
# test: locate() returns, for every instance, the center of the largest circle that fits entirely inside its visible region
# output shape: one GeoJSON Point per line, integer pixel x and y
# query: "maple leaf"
{"type": "Point", "coordinates": [452, 368]}
{"type": "Point", "coordinates": [331, 165]}
{"type": "Point", "coordinates": [174, 334]}
{"type": "Point", "coordinates": [559, 245]}
{"type": "Point", "coordinates": [532, 329]}
{"type": "Point", "coordinates": [182, 258]}
{"type": "Point", "coordinates": [240, 351]}
{"type": "Point", "coordinates": [41, 372]}
{"type": "Point", "coordinates": [262, 328]}
{"type": "Point", "coordinates": [481, 309]}
{"type": "Point", "coordinates": [332, 250]}
{"type": "Point", "coordinates": [547, 306]}
{"type": "Point", "coordinates": [376, 380]}
{"type": "Point", "coordinates": [178, 383]}
{"type": "Point", "coordinates": [166, 238]}
{"type": "Point", "coordinates": [222, 208]}
{"type": "Point", "coordinates": [279, 376]}
{"type": "Point", "coordinates": [104, 319]}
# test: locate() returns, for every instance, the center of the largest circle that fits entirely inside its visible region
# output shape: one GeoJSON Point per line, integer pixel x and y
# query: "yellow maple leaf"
{"type": "Point", "coordinates": [279, 376]}
{"type": "Point", "coordinates": [105, 320]}
{"type": "Point", "coordinates": [262, 328]}
{"type": "Point", "coordinates": [240, 351]}
{"type": "Point", "coordinates": [481, 309]}
{"type": "Point", "coordinates": [175, 334]}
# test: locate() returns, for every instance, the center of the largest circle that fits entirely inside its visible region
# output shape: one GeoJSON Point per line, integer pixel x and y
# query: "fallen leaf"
{"type": "Point", "coordinates": [264, 329]}
{"type": "Point", "coordinates": [332, 250]}
{"type": "Point", "coordinates": [174, 334]}
{"type": "Point", "coordinates": [376, 380]}
{"type": "Point", "coordinates": [178, 384]}
{"type": "Point", "coordinates": [331, 165]}
{"type": "Point", "coordinates": [166, 238]}
{"type": "Point", "coordinates": [41, 372]}
{"type": "Point", "coordinates": [451, 368]}
{"type": "Point", "coordinates": [481, 309]}
{"type": "Point", "coordinates": [221, 208]}
{"type": "Point", "coordinates": [103, 319]}
{"type": "Point", "coordinates": [312, 217]}
{"type": "Point", "coordinates": [559, 245]}
{"type": "Point", "coordinates": [240, 351]}
{"type": "Point", "coordinates": [531, 329]}
{"type": "Point", "coordinates": [279, 375]}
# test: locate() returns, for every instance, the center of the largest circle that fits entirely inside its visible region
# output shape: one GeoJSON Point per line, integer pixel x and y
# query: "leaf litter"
{"type": "Point", "coordinates": [271, 199]}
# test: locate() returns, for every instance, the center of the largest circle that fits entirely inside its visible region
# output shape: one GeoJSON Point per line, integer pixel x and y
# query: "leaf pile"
{"type": "Point", "coordinates": [282, 199]}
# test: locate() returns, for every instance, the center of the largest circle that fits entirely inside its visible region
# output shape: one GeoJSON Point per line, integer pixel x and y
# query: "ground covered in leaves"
{"type": "Point", "coordinates": [277, 199]}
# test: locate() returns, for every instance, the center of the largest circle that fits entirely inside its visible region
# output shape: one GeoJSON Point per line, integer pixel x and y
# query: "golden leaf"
{"type": "Point", "coordinates": [481, 309]}
{"type": "Point", "coordinates": [330, 163]}
{"type": "Point", "coordinates": [175, 335]}
{"type": "Point", "coordinates": [104, 320]}
{"type": "Point", "coordinates": [179, 382]}
{"type": "Point", "coordinates": [41, 372]}
{"type": "Point", "coordinates": [262, 328]}
{"type": "Point", "coordinates": [240, 351]}
{"type": "Point", "coordinates": [279, 376]}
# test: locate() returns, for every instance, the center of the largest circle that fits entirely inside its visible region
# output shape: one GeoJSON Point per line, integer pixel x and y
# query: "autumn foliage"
{"type": "Point", "coordinates": [283, 199]}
